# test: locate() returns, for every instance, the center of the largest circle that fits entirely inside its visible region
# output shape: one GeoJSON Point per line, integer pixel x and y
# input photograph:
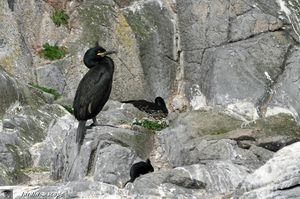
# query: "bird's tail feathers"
{"type": "Point", "coordinates": [80, 132]}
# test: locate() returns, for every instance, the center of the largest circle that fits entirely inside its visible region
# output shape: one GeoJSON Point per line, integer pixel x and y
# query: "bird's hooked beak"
{"type": "Point", "coordinates": [102, 54]}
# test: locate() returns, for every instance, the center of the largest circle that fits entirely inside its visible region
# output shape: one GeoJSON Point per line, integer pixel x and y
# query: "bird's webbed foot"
{"type": "Point", "coordinates": [95, 123]}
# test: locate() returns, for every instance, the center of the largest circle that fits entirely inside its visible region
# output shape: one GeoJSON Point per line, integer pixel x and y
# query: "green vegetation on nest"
{"type": "Point", "coordinates": [53, 52]}
{"type": "Point", "coordinates": [59, 17]}
{"type": "Point", "coordinates": [52, 91]}
{"type": "Point", "coordinates": [156, 125]}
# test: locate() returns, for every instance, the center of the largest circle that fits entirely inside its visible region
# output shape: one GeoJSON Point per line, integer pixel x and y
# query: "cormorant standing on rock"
{"type": "Point", "coordinates": [94, 89]}
{"type": "Point", "coordinates": [139, 168]}
{"type": "Point", "coordinates": [149, 107]}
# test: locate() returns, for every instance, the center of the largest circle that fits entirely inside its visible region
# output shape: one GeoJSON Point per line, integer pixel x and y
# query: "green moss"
{"type": "Point", "coordinates": [280, 124]}
{"type": "Point", "coordinates": [59, 17]}
{"type": "Point", "coordinates": [219, 131]}
{"type": "Point", "coordinates": [207, 122]}
{"type": "Point", "coordinates": [53, 52]}
{"type": "Point", "coordinates": [138, 25]}
{"type": "Point", "coordinates": [69, 109]}
{"type": "Point", "coordinates": [35, 170]}
{"type": "Point", "coordinates": [95, 18]}
{"type": "Point", "coordinates": [155, 125]}
{"type": "Point", "coordinates": [51, 91]}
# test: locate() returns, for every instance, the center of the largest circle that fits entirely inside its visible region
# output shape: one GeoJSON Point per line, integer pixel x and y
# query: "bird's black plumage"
{"type": "Point", "coordinates": [94, 88]}
{"type": "Point", "coordinates": [149, 107]}
{"type": "Point", "coordinates": [89, 58]}
{"type": "Point", "coordinates": [139, 168]}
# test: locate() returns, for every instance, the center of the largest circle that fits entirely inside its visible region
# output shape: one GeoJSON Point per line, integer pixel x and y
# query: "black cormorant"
{"type": "Point", "coordinates": [94, 89]}
{"type": "Point", "coordinates": [139, 168]}
{"type": "Point", "coordinates": [159, 106]}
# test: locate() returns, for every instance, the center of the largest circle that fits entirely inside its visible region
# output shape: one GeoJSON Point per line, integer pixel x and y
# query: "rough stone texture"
{"type": "Point", "coordinates": [237, 55]}
{"type": "Point", "coordinates": [105, 155]}
{"type": "Point", "coordinates": [153, 23]}
{"type": "Point", "coordinates": [14, 91]}
{"type": "Point", "coordinates": [238, 70]}
{"type": "Point", "coordinates": [116, 113]}
{"type": "Point", "coordinates": [42, 152]}
{"type": "Point", "coordinates": [112, 31]}
{"type": "Point", "coordinates": [252, 22]}
{"type": "Point", "coordinates": [10, 91]}
{"type": "Point", "coordinates": [212, 178]}
{"type": "Point", "coordinates": [192, 53]}
{"type": "Point", "coordinates": [15, 56]}
{"type": "Point", "coordinates": [51, 76]}
{"type": "Point", "coordinates": [24, 126]}
{"type": "Point", "coordinates": [201, 136]}
{"type": "Point", "coordinates": [25, 118]}
{"type": "Point", "coordinates": [287, 89]}
{"type": "Point", "coordinates": [278, 178]}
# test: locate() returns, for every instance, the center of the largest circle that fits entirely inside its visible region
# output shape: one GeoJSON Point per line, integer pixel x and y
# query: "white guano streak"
{"type": "Point", "coordinates": [288, 13]}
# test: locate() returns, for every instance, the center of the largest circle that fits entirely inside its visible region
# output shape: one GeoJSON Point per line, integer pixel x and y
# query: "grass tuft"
{"type": "Point", "coordinates": [59, 17]}
{"type": "Point", "coordinates": [69, 109]}
{"type": "Point", "coordinates": [156, 125]}
{"type": "Point", "coordinates": [35, 170]}
{"type": "Point", "coordinates": [52, 91]}
{"type": "Point", "coordinates": [53, 52]}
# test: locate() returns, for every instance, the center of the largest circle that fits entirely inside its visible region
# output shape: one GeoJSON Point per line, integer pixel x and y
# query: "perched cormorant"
{"type": "Point", "coordinates": [94, 89]}
{"type": "Point", "coordinates": [159, 106]}
{"type": "Point", "coordinates": [139, 168]}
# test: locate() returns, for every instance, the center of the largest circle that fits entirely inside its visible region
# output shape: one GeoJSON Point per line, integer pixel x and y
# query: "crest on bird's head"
{"type": "Point", "coordinates": [99, 50]}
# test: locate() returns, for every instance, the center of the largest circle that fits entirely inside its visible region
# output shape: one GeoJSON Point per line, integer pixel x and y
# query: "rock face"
{"type": "Point", "coordinates": [279, 177]}
{"type": "Point", "coordinates": [228, 70]}
{"type": "Point", "coordinates": [25, 118]}
{"type": "Point", "coordinates": [105, 150]}
{"type": "Point", "coordinates": [205, 160]}
{"type": "Point", "coordinates": [191, 53]}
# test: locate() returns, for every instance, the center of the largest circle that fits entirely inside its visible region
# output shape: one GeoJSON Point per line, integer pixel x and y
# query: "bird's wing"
{"type": "Point", "coordinates": [93, 84]}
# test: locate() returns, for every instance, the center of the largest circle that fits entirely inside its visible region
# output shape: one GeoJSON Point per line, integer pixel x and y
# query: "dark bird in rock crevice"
{"type": "Point", "coordinates": [139, 168]}
{"type": "Point", "coordinates": [159, 106]}
{"type": "Point", "coordinates": [94, 88]}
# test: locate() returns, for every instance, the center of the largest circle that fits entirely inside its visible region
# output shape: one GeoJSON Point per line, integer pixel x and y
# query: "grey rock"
{"type": "Point", "coordinates": [51, 76]}
{"type": "Point", "coordinates": [23, 126]}
{"type": "Point", "coordinates": [252, 22]}
{"type": "Point", "coordinates": [186, 132]}
{"type": "Point", "coordinates": [219, 176]}
{"type": "Point", "coordinates": [287, 91]}
{"type": "Point", "coordinates": [112, 172]}
{"type": "Point", "coordinates": [42, 152]}
{"type": "Point", "coordinates": [201, 136]}
{"type": "Point", "coordinates": [116, 113]}
{"type": "Point", "coordinates": [243, 80]}
{"type": "Point", "coordinates": [278, 178]}
{"type": "Point", "coordinates": [15, 55]}
{"type": "Point", "coordinates": [11, 91]}
{"type": "Point", "coordinates": [276, 143]}
{"type": "Point", "coordinates": [88, 26]}
{"type": "Point", "coordinates": [153, 23]}
{"type": "Point", "coordinates": [106, 154]}
{"type": "Point", "coordinates": [195, 181]}
{"type": "Point", "coordinates": [197, 30]}
{"type": "Point", "coordinates": [155, 185]}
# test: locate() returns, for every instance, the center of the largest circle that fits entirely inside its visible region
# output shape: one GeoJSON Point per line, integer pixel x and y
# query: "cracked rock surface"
{"type": "Point", "coordinates": [227, 69]}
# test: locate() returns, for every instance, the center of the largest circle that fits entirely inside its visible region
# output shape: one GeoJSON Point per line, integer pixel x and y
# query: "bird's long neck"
{"type": "Point", "coordinates": [107, 63]}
